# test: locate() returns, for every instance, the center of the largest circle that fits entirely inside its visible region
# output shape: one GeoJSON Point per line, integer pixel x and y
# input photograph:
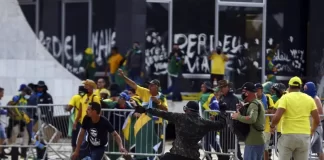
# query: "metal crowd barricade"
{"type": "Point", "coordinates": [17, 125]}
{"type": "Point", "coordinates": [273, 140]}
{"type": "Point", "coordinates": [143, 136]}
{"type": "Point", "coordinates": [54, 130]}
{"type": "Point", "coordinates": [274, 143]}
{"type": "Point", "coordinates": [221, 143]}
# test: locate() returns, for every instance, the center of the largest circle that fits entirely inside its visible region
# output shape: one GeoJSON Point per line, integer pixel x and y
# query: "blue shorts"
{"type": "Point", "coordinates": [3, 134]}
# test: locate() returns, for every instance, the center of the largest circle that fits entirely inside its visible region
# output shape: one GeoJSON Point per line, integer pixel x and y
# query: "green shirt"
{"type": "Point", "coordinates": [275, 98]}
{"type": "Point", "coordinates": [110, 103]}
{"type": "Point", "coordinates": [174, 66]}
{"type": "Point", "coordinates": [254, 137]}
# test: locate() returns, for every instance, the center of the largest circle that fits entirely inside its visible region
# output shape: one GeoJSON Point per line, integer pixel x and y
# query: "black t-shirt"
{"type": "Point", "coordinates": [97, 132]}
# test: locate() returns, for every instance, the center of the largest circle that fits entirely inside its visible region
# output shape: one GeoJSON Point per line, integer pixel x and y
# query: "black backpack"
{"type": "Point", "coordinates": [241, 130]}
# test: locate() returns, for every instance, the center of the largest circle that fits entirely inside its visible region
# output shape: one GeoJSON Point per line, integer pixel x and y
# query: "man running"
{"type": "Point", "coordinates": [97, 128]}
{"type": "Point", "coordinates": [190, 129]}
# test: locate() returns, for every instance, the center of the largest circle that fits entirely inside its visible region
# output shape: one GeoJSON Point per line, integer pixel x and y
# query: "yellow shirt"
{"type": "Point", "coordinates": [85, 101]}
{"type": "Point", "coordinates": [114, 62]}
{"type": "Point", "coordinates": [218, 64]}
{"type": "Point", "coordinates": [21, 115]}
{"type": "Point", "coordinates": [97, 92]}
{"type": "Point", "coordinates": [145, 95]}
{"type": "Point", "coordinates": [75, 102]}
{"type": "Point", "coordinates": [267, 119]}
{"type": "Point", "coordinates": [295, 119]}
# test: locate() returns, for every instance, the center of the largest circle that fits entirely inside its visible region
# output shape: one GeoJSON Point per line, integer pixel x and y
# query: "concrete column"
{"type": "Point", "coordinates": [315, 52]}
{"type": "Point", "coordinates": [130, 23]}
{"type": "Point", "coordinates": [50, 20]}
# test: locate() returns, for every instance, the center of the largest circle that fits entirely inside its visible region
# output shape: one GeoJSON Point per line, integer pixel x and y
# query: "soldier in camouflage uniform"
{"type": "Point", "coordinates": [190, 129]}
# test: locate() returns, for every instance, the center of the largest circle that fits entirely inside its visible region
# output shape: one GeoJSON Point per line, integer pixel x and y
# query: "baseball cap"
{"type": "Point", "coordinates": [90, 82]}
{"type": "Point", "coordinates": [248, 86]}
{"type": "Point", "coordinates": [155, 82]}
{"type": "Point", "coordinates": [208, 85]}
{"type": "Point", "coordinates": [258, 86]}
{"type": "Point", "coordinates": [222, 83]}
{"type": "Point", "coordinates": [192, 106]}
{"type": "Point", "coordinates": [124, 96]}
{"type": "Point", "coordinates": [22, 87]}
{"type": "Point", "coordinates": [104, 91]}
{"type": "Point", "coordinates": [295, 81]}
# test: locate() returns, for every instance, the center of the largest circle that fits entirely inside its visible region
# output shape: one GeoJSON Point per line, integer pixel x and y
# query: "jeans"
{"type": "Point", "coordinates": [97, 153]}
{"type": "Point", "coordinates": [253, 152]}
{"type": "Point", "coordinates": [176, 94]}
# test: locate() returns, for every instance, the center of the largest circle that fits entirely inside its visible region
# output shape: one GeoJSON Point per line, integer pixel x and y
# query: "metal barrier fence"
{"type": "Point", "coordinates": [17, 125]}
{"type": "Point", "coordinates": [49, 129]}
{"type": "Point", "coordinates": [142, 135]}
{"type": "Point", "coordinates": [225, 143]}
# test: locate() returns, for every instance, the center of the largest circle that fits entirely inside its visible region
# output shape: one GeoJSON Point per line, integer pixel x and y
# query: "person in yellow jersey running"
{"type": "Point", "coordinates": [294, 109]}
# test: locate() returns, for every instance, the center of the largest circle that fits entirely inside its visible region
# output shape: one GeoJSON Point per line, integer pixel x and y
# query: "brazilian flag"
{"type": "Point", "coordinates": [205, 101]}
{"type": "Point", "coordinates": [71, 121]}
{"type": "Point", "coordinates": [128, 127]}
{"type": "Point", "coordinates": [148, 136]}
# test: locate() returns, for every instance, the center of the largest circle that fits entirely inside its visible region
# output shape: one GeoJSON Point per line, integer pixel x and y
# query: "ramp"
{"type": "Point", "coordinates": [23, 59]}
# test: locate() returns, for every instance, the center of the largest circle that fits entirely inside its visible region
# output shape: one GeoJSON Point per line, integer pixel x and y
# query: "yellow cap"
{"type": "Point", "coordinates": [90, 82]}
{"type": "Point", "coordinates": [88, 51]}
{"type": "Point", "coordinates": [295, 81]}
{"type": "Point", "coordinates": [104, 91]}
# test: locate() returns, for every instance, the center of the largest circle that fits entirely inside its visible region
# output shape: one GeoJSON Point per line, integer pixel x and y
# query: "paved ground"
{"type": "Point", "coordinates": [65, 152]}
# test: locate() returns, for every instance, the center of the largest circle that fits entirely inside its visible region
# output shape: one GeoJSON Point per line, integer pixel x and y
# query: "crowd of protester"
{"type": "Point", "coordinates": [292, 106]}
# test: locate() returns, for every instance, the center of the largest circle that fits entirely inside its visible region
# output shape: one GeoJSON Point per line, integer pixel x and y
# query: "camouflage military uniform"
{"type": "Point", "coordinates": [190, 129]}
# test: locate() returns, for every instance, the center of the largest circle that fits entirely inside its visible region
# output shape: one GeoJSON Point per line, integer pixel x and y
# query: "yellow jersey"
{"type": "Point", "coordinates": [75, 102]}
{"type": "Point", "coordinates": [298, 107]}
{"type": "Point", "coordinates": [85, 101]}
{"type": "Point", "coordinates": [218, 63]}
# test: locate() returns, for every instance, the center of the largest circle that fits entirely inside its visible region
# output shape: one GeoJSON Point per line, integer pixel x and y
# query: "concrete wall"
{"type": "Point", "coordinates": [23, 59]}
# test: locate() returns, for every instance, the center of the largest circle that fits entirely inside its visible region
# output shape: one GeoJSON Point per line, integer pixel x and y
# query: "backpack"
{"type": "Point", "coordinates": [241, 130]}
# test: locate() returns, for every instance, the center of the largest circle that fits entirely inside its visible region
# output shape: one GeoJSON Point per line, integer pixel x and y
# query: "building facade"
{"type": "Point", "coordinates": [67, 27]}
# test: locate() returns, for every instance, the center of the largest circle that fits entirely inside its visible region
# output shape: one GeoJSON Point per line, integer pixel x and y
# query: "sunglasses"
{"type": "Point", "coordinates": [186, 108]}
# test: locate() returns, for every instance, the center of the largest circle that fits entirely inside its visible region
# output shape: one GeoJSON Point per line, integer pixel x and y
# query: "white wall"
{"type": "Point", "coordinates": [23, 59]}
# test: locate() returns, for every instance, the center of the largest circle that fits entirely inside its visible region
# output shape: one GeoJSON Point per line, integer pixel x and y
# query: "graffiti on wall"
{"type": "Point", "coordinates": [67, 53]}
{"type": "Point", "coordinates": [156, 53]}
{"type": "Point", "coordinates": [102, 42]}
{"type": "Point", "coordinates": [197, 46]}
{"type": "Point", "coordinates": [71, 56]}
